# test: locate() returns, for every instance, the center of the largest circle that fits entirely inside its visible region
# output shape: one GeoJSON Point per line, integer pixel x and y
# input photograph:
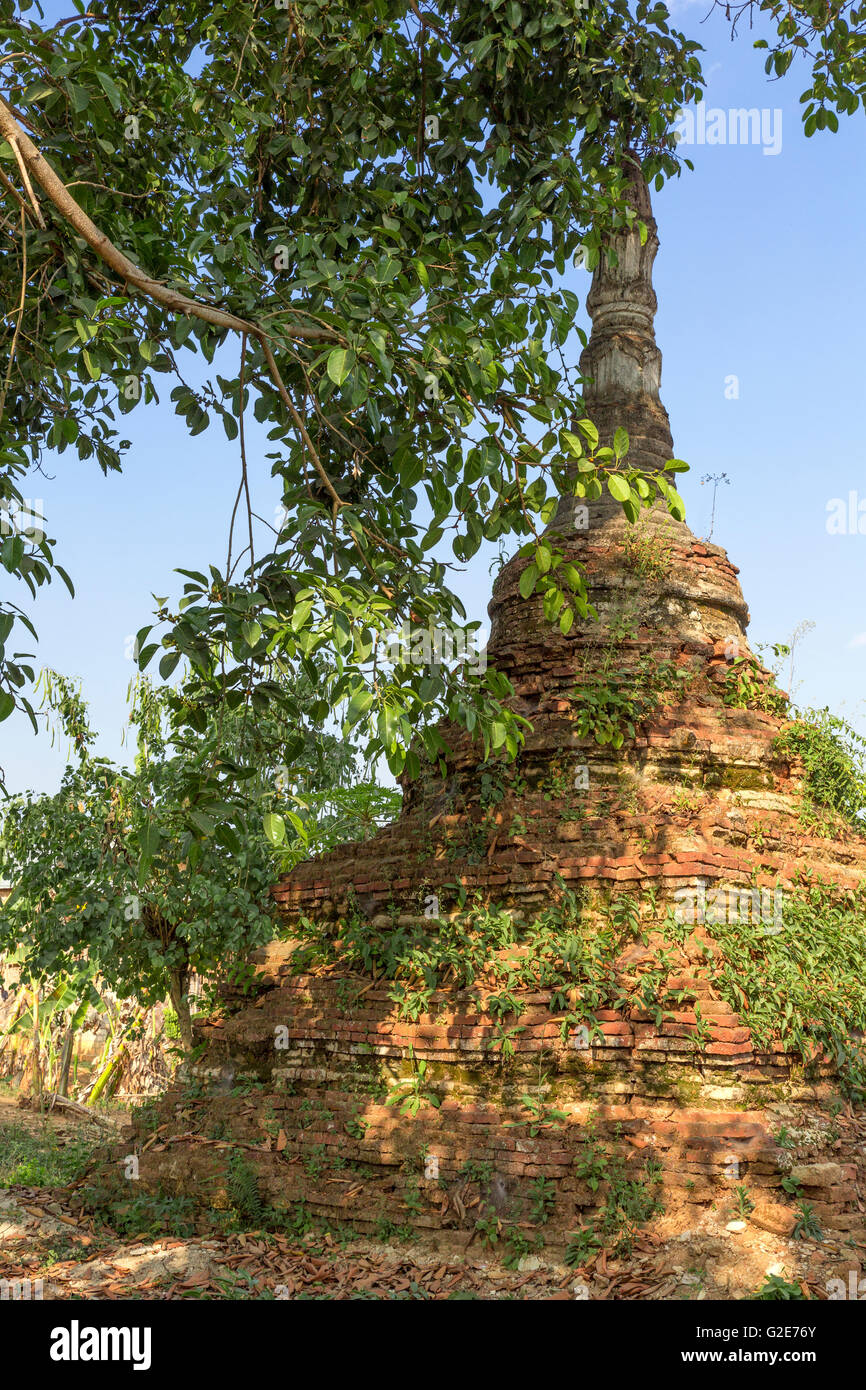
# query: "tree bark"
{"type": "Point", "coordinates": [62, 1086]}
{"type": "Point", "coordinates": [180, 1003]}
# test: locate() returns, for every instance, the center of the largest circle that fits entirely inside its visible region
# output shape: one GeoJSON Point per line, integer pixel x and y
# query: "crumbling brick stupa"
{"type": "Point", "coordinates": [473, 1106]}
{"type": "Point", "coordinates": [683, 798]}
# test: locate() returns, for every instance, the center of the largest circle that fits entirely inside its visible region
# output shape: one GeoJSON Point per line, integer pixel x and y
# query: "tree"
{"type": "Point", "coordinates": [152, 872]}
{"type": "Point", "coordinates": [376, 201]}
{"type": "Point", "coordinates": [371, 204]}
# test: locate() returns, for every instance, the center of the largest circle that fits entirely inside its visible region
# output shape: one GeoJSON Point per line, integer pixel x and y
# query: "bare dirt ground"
{"type": "Point", "coordinates": [689, 1254]}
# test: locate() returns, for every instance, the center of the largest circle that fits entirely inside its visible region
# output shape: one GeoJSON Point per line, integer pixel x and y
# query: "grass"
{"type": "Point", "coordinates": [38, 1159]}
{"type": "Point", "coordinates": [36, 1154]}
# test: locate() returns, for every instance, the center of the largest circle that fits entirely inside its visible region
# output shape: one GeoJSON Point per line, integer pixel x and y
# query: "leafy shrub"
{"type": "Point", "coordinates": [834, 761]}
{"type": "Point", "coordinates": [803, 982]}
{"type": "Point", "coordinates": [244, 1194]}
{"type": "Point", "coordinates": [777, 1289]}
{"type": "Point", "coordinates": [748, 686]}
{"type": "Point", "coordinates": [612, 706]}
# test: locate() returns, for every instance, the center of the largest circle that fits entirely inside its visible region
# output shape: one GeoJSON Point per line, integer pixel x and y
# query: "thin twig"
{"type": "Point", "coordinates": [27, 184]}
{"type": "Point", "coordinates": [20, 313]}
{"type": "Point", "coordinates": [10, 188]}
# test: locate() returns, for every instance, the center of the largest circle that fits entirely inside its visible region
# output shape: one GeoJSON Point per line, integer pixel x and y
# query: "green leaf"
{"type": "Point", "coordinates": [498, 733]}
{"type": "Point", "coordinates": [340, 363]}
{"type": "Point", "coordinates": [168, 663]}
{"type": "Point", "coordinates": [94, 371]}
{"type": "Point", "coordinates": [275, 829]}
{"type": "Point", "coordinates": [149, 838]}
{"type": "Point", "coordinates": [676, 505]}
{"type": "Point", "coordinates": [110, 89]}
{"type": "Point", "coordinates": [618, 487]}
{"type": "Point", "coordinates": [589, 430]}
{"type": "Point", "coordinates": [572, 443]}
{"type": "Point", "coordinates": [527, 581]}
{"type": "Point", "coordinates": [358, 706]}
{"type": "Point", "coordinates": [300, 614]}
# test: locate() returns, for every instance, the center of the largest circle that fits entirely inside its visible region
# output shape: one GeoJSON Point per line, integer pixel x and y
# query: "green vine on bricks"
{"type": "Point", "coordinates": [541, 1117]}
{"type": "Point", "coordinates": [503, 1042]}
{"type": "Point", "coordinates": [410, 1093]}
{"type": "Point", "coordinates": [583, 1245]}
{"type": "Point", "coordinates": [504, 1005]}
{"type": "Point", "coordinates": [629, 1201]}
{"type": "Point", "coordinates": [489, 1230]}
{"type": "Point", "coordinates": [542, 1200]}
{"type": "Point", "coordinates": [564, 951]}
{"type": "Point", "coordinates": [801, 980]}
{"type": "Point", "coordinates": [614, 701]}
{"type": "Point", "coordinates": [387, 1231]}
{"type": "Point", "coordinates": [477, 1170]}
{"type": "Point", "coordinates": [591, 1164]}
{"type": "Point", "coordinates": [559, 786]}
{"type": "Point", "coordinates": [748, 686]}
{"type": "Point", "coordinates": [833, 755]}
{"type": "Point", "coordinates": [501, 785]}
{"type": "Point", "coordinates": [518, 1245]}
{"type": "Point", "coordinates": [646, 555]}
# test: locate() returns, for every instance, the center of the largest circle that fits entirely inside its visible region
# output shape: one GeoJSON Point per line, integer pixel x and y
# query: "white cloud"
{"type": "Point", "coordinates": [859, 640]}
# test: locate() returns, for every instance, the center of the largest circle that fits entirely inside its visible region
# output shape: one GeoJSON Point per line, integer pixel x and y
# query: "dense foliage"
{"type": "Point", "coordinates": [367, 211]}
{"type": "Point", "coordinates": [148, 873]}
{"type": "Point", "coordinates": [802, 981]}
{"type": "Point", "coordinates": [833, 756]}
{"type": "Point", "coordinates": [378, 203]}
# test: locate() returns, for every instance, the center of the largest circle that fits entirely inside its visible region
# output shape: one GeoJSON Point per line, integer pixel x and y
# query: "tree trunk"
{"type": "Point", "coordinates": [62, 1086]}
{"type": "Point", "coordinates": [180, 1004]}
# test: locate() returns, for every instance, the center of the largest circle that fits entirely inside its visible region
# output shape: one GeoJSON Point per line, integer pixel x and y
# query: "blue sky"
{"type": "Point", "coordinates": [758, 277]}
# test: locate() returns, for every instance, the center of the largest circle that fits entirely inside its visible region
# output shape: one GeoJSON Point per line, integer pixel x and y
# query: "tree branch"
{"type": "Point", "coordinates": [74, 214]}
{"type": "Point", "coordinates": [133, 275]}
{"type": "Point", "coordinates": [26, 181]}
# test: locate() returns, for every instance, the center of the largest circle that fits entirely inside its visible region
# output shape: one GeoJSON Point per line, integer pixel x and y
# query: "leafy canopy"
{"type": "Point", "coordinates": [353, 220]}
{"type": "Point", "coordinates": [371, 208]}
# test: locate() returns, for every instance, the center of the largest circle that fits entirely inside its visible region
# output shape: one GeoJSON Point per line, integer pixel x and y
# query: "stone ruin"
{"type": "Point", "coordinates": [316, 1075]}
